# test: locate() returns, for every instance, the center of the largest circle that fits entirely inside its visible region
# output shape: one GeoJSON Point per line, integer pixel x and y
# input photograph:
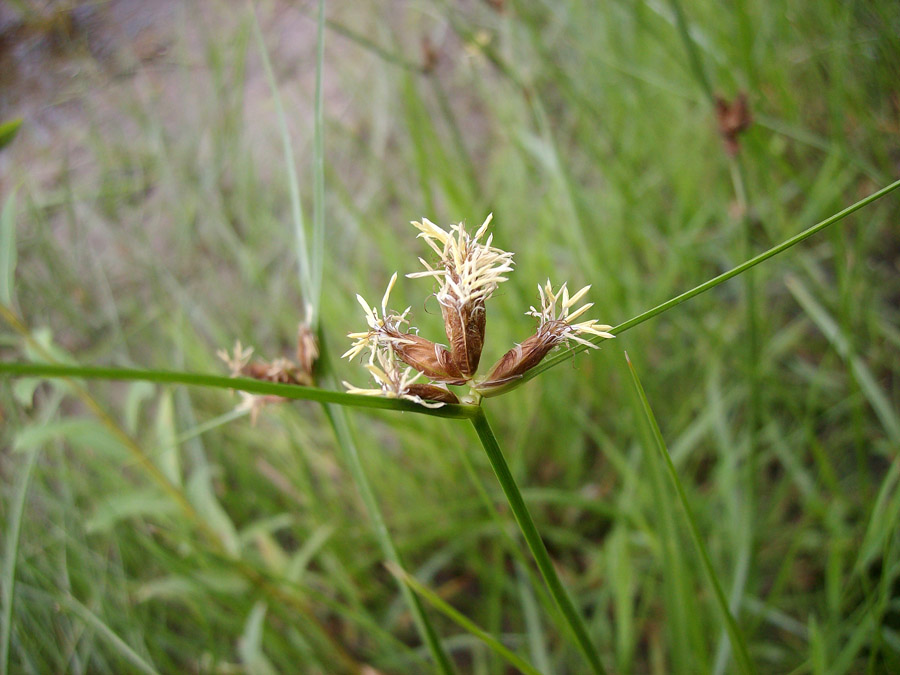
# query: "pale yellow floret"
{"type": "Point", "coordinates": [379, 327]}
{"type": "Point", "coordinates": [237, 360]}
{"type": "Point", "coordinates": [393, 382]}
{"type": "Point", "coordinates": [565, 314]}
{"type": "Point", "coordinates": [471, 270]}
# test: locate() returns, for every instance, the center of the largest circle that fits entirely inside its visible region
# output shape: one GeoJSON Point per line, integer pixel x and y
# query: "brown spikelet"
{"type": "Point", "coordinates": [465, 325]}
{"type": "Point", "coordinates": [733, 118]}
{"type": "Point", "coordinates": [307, 349]}
{"type": "Point", "coordinates": [432, 392]}
{"type": "Point", "coordinates": [433, 360]}
{"type": "Point", "coordinates": [523, 357]}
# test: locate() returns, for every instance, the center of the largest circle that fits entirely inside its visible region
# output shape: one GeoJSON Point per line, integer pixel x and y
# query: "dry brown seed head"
{"type": "Point", "coordinates": [733, 118]}
{"type": "Point", "coordinates": [307, 349]}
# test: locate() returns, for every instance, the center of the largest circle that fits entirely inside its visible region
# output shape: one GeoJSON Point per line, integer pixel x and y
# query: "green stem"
{"type": "Point", "coordinates": [534, 541]}
{"type": "Point", "coordinates": [318, 235]}
{"type": "Point", "coordinates": [742, 656]}
{"type": "Point", "coordinates": [705, 286]}
{"type": "Point", "coordinates": [290, 391]}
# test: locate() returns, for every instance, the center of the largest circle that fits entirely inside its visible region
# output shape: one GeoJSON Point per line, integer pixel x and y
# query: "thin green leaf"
{"type": "Point", "coordinates": [288, 391]}
{"type": "Point", "coordinates": [8, 249]}
{"type": "Point", "coordinates": [202, 497]}
{"type": "Point", "coordinates": [302, 249]}
{"type": "Point", "coordinates": [250, 643]}
{"type": "Point", "coordinates": [10, 556]}
{"type": "Point", "coordinates": [742, 656]}
{"type": "Point", "coordinates": [702, 288]}
{"type": "Point", "coordinates": [318, 243]}
{"type": "Point", "coordinates": [861, 373]}
{"type": "Point", "coordinates": [168, 455]}
{"type": "Point", "coordinates": [8, 131]}
{"type": "Point", "coordinates": [116, 508]}
{"type": "Point", "coordinates": [80, 432]}
{"type": "Point", "coordinates": [122, 647]}
{"type": "Point", "coordinates": [339, 423]}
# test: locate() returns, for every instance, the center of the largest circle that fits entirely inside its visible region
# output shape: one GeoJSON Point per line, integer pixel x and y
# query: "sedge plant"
{"type": "Point", "coordinates": [411, 374]}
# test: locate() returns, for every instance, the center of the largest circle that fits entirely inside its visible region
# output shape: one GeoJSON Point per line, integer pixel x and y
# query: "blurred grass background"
{"type": "Point", "coordinates": [153, 226]}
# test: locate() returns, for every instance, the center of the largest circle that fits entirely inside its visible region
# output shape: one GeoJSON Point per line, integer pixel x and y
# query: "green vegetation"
{"type": "Point", "coordinates": [728, 502]}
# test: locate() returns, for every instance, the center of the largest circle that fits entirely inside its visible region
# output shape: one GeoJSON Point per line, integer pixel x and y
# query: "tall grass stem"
{"type": "Point", "coordinates": [534, 541]}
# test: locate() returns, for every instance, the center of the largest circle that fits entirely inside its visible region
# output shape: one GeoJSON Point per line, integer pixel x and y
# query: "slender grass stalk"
{"type": "Point", "coordinates": [318, 243]}
{"type": "Point", "coordinates": [693, 55]}
{"type": "Point", "coordinates": [534, 541]}
{"type": "Point", "coordinates": [305, 271]}
{"type": "Point", "coordinates": [462, 621]}
{"type": "Point", "coordinates": [290, 391]}
{"type": "Point", "coordinates": [10, 555]}
{"type": "Point", "coordinates": [742, 656]}
{"type": "Point", "coordinates": [706, 285]}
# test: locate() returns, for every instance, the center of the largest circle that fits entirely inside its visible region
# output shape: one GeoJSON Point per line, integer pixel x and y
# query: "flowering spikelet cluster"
{"type": "Point", "coordinates": [468, 271]}
{"type": "Point", "coordinates": [281, 370]}
{"type": "Point", "coordinates": [555, 327]}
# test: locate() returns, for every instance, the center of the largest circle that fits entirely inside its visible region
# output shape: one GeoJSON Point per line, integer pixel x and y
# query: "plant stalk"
{"type": "Point", "coordinates": [534, 541]}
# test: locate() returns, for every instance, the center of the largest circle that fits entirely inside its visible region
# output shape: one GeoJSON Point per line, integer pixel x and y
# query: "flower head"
{"type": "Point", "coordinates": [381, 328]}
{"type": "Point", "coordinates": [429, 358]}
{"type": "Point", "coordinates": [555, 327]}
{"type": "Point", "coordinates": [401, 384]}
{"type": "Point", "coordinates": [469, 272]}
{"type": "Point", "coordinates": [237, 359]}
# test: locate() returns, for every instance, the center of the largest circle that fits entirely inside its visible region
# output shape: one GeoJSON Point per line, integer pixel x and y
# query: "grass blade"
{"type": "Point", "coordinates": [294, 392]}
{"type": "Point", "coordinates": [462, 621]}
{"type": "Point", "coordinates": [534, 541]}
{"type": "Point", "coordinates": [832, 332]}
{"type": "Point", "coordinates": [707, 285]}
{"type": "Point", "coordinates": [302, 249]}
{"type": "Point", "coordinates": [122, 647]}
{"type": "Point", "coordinates": [742, 656]}
{"type": "Point", "coordinates": [7, 249]}
{"type": "Point", "coordinates": [318, 244]}
{"type": "Point", "coordinates": [10, 554]}
{"type": "Point", "coordinates": [8, 131]}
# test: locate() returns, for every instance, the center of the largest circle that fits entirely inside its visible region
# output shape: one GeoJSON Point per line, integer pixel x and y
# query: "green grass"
{"type": "Point", "coordinates": [146, 528]}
